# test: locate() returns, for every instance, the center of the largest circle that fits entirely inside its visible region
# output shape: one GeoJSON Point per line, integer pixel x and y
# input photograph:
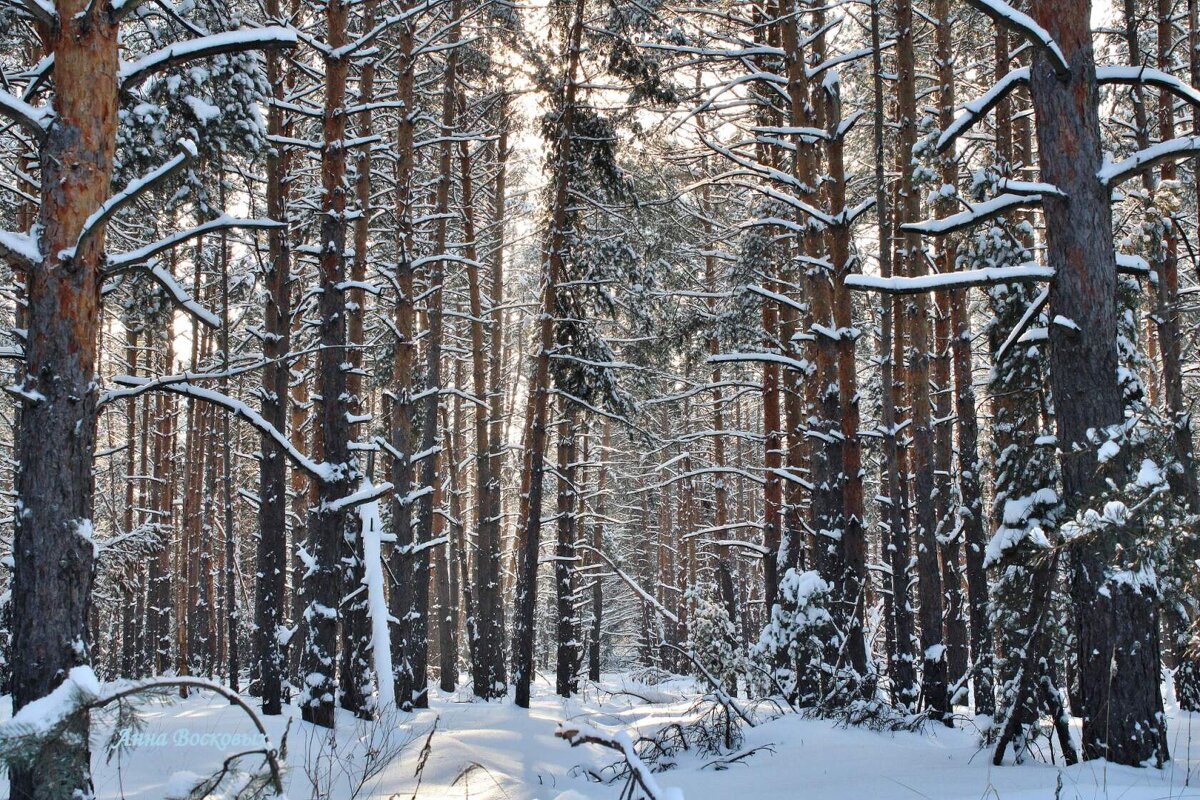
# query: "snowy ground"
{"type": "Point", "coordinates": [496, 750]}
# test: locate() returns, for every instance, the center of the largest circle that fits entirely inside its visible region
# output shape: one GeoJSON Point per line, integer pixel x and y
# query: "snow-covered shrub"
{"type": "Point", "coordinates": [791, 649]}
{"type": "Point", "coordinates": [713, 640]}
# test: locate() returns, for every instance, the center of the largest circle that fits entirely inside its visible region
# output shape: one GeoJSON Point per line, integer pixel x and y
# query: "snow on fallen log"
{"type": "Point", "coordinates": [1024, 273]}
{"type": "Point", "coordinates": [577, 733]}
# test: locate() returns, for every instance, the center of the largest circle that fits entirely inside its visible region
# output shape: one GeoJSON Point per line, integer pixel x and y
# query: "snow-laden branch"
{"type": "Point", "coordinates": [1129, 264]}
{"type": "Point", "coordinates": [320, 471]}
{"type": "Point", "coordinates": [180, 296]}
{"type": "Point", "coordinates": [1114, 174]}
{"type": "Point", "coordinates": [369, 493]}
{"type": "Point", "coordinates": [1005, 15]}
{"type": "Point", "coordinates": [126, 261]}
{"type": "Point", "coordinates": [136, 187]}
{"type": "Point", "coordinates": [21, 250]}
{"type": "Point", "coordinates": [133, 73]}
{"type": "Point", "coordinates": [1024, 273]}
{"type": "Point", "coordinates": [774, 175]}
{"type": "Point", "coordinates": [781, 299]}
{"type": "Point", "coordinates": [577, 733]}
{"type": "Point", "coordinates": [1023, 324]}
{"type": "Point", "coordinates": [40, 10]}
{"type": "Point", "coordinates": [806, 134]}
{"type": "Point", "coordinates": [843, 58]}
{"type": "Point", "coordinates": [119, 9]}
{"type": "Point", "coordinates": [979, 212]}
{"type": "Point", "coordinates": [1014, 186]}
{"type": "Point", "coordinates": [351, 48]}
{"type": "Point", "coordinates": [632, 584]}
{"type": "Point", "coordinates": [82, 690]}
{"type": "Point", "coordinates": [1132, 76]}
{"type": "Point", "coordinates": [977, 109]}
{"type": "Point", "coordinates": [766, 358]}
{"type": "Point", "coordinates": [30, 117]}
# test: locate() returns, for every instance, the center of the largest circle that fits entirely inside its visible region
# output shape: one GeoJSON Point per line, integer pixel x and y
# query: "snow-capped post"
{"type": "Point", "coordinates": [75, 134]}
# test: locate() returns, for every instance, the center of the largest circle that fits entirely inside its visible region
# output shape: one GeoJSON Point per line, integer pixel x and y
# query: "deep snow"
{"type": "Point", "coordinates": [482, 750]}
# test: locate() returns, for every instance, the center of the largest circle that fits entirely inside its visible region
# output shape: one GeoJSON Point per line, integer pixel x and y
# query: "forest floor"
{"type": "Point", "coordinates": [482, 750]}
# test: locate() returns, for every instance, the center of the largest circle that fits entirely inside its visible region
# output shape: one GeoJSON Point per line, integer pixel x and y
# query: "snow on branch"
{"type": "Point", "coordinates": [844, 58]}
{"type": "Point", "coordinates": [632, 584]}
{"type": "Point", "coordinates": [782, 300]}
{"type": "Point", "coordinates": [21, 250]}
{"type": "Point", "coordinates": [82, 690]}
{"type": "Point", "coordinates": [808, 135]}
{"type": "Point", "coordinates": [133, 73]}
{"type": "Point", "coordinates": [351, 48]}
{"type": "Point", "coordinates": [1132, 76]}
{"type": "Point", "coordinates": [369, 493]}
{"type": "Point", "coordinates": [978, 108]}
{"type": "Point", "coordinates": [30, 117]}
{"type": "Point", "coordinates": [577, 733]}
{"type": "Point", "coordinates": [40, 10]}
{"type": "Point", "coordinates": [136, 386]}
{"type": "Point", "coordinates": [1129, 264]}
{"type": "Point", "coordinates": [979, 212]}
{"type": "Point", "coordinates": [136, 187]}
{"type": "Point", "coordinates": [1014, 186]}
{"type": "Point", "coordinates": [1004, 14]}
{"type": "Point", "coordinates": [1114, 174]}
{"type": "Point", "coordinates": [1024, 273]}
{"type": "Point", "coordinates": [180, 296]}
{"type": "Point", "coordinates": [1023, 324]}
{"type": "Point", "coordinates": [126, 261]}
{"type": "Point", "coordinates": [766, 358]}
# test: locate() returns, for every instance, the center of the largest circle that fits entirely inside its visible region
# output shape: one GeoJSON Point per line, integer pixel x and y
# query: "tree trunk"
{"type": "Point", "coordinates": [326, 521]}
{"type": "Point", "coordinates": [535, 448]}
{"type": "Point", "coordinates": [1117, 626]}
{"type": "Point", "coordinates": [52, 548]}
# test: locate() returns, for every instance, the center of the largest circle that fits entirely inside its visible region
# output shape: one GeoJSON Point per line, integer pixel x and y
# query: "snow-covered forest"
{"type": "Point", "coordinates": [599, 399]}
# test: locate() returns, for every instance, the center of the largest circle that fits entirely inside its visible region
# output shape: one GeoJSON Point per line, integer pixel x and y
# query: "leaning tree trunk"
{"type": "Point", "coordinates": [1117, 626]}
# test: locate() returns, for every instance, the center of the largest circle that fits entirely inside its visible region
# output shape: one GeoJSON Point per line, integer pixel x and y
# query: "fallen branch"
{"type": "Point", "coordinates": [577, 733]}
